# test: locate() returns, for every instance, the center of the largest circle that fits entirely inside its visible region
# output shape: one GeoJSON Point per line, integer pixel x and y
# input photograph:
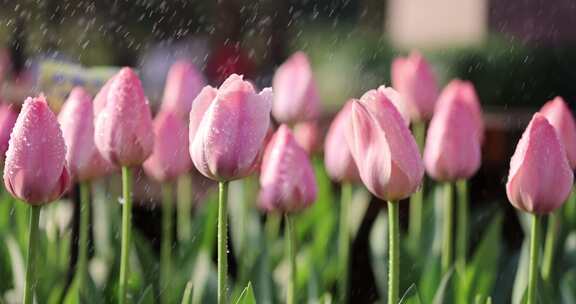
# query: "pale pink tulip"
{"type": "Point", "coordinates": [338, 160]}
{"type": "Point", "coordinates": [453, 147]}
{"type": "Point", "coordinates": [35, 170]}
{"type": "Point", "coordinates": [464, 90]}
{"type": "Point", "coordinates": [308, 136]}
{"type": "Point", "coordinates": [124, 133]}
{"type": "Point", "coordinates": [560, 117]}
{"type": "Point", "coordinates": [183, 84]}
{"type": "Point", "coordinates": [416, 82]}
{"type": "Point", "coordinates": [170, 158]}
{"type": "Point", "coordinates": [287, 178]}
{"type": "Point", "coordinates": [540, 178]}
{"type": "Point", "coordinates": [77, 121]}
{"type": "Point", "coordinates": [226, 144]}
{"type": "Point", "coordinates": [8, 116]}
{"type": "Point", "coordinates": [295, 93]}
{"type": "Point", "coordinates": [383, 148]}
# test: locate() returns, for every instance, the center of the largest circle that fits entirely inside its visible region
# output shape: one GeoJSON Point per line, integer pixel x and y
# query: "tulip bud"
{"type": "Point", "coordinates": [560, 117]}
{"type": "Point", "coordinates": [225, 145]}
{"type": "Point", "coordinates": [35, 169]}
{"type": "Point", "coordinates": [464, 91]}
{"type": "Point", "coordinates": [308, 136]}
{"type": "Point", "coordinates": [295, 93]}
{"type": "Point", "coordinates": [8, 116]}
{"type": "Point", "coordinates": [170, 158]}
{"type": "Point", "coordinates": [383, 148]}
{"type": "Point", "coordinates": [287, 178]}
{"type": "Point", "coordinates": [124, 133]}
{"type": "Point", "coordinates": [338, 160]}
{"type": "Point", "coordinates": [416, 82]}
{"type": "Point", "coordinates": [183, 84]}
{"type": "Point", "coordinates": [540, 177]}
{"type": "Point", "coordinates": [77, 121]}
{"type": "Point", "coordinates": [453, 143]}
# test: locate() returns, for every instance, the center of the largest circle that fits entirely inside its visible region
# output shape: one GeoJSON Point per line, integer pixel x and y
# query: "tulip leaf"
{"type": "Point", "coordinates": [188, 293]}
{"type": "Point", "coordinates": [379, 252]}
{"type": "Point", "coordinates": [411, 296]}
{"type": "Point", "coordinates": [521, 280]}
{"type": "Point", "coordinates": [480, 274]}
{"type": "Point", "coordinates": [443, 292]}
{"type": "Point", "coordinates": [247, 296]}
{"type": "Point", "coordinates": [568, 287]}
{"type": "Point", "coordinates": [147, 296]}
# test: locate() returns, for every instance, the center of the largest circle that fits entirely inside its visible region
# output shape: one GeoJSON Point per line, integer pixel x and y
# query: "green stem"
{"type": "Point", "coordinates": [291, 249]}
{"type": "Point", "coordinates": [393, 252]}
{"type": "Point", "coordinates": [272, 226]}
{"type": "Point", "coordinates": [184, 201]}
{"type": "Point", "coordinates": [126, 233]}
{"type": "Point", "coordinates": [82, 269]}
{"type": "Point", "coordinates": [30, 283]}
{"type": "Point", "coordinates": [447, 240]}
{"type": "Point", "coordinates": [166, 248]}
{"type": "Point", "coordinates": [462, 231]}
{"type": "Point", "coordinates": [222, 242]}
{"type": "Point", "coordinates": [533, 270]}
{"type": "Point", "coordinates": [417, 199]}
{"type": "Point", "coordinates": [549, 247]}
{"type": "Point", "coordinates": [344, 241]}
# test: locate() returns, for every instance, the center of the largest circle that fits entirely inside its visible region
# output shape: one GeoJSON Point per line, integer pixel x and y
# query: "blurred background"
{"type": "Point", "coordinates": [519, 54]}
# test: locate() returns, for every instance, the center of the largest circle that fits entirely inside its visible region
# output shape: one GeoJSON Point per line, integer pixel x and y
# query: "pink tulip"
{"type": "Point", "coordinates": [287, 179]}
{"type": "Point", "coordinates": [8, 116]}
{"type": "Point", "coordinates": [226, 144]}
{"type": "Point", "coordinates": [35, 169]}
{"type": "Point", "coordinates": [77, 121]}
{"type": "Point", "coordinates": [560, 117]}
{"type": "Point", "coordinates": [540, 177]}
{"type": "Point", "coordinates": [453, 146]}
{"type": "Point", "coordinates": [464, 91]}
{"type": "Point", "coordinates": [124, 133]}
{"type": "Point", "coordinates": [183, 84]}
{"type": "Point", "coordinates": [295, 93]}
{"type": "Point", "coordinates": [170, 158]}
{"type": "Point", "coordinates": [338, 160]}
{"type": "Point", "coordinates": [416, 82]}
{"type": "Point", "coordinates": [308, 136]}
{"type": "Point", "coordinates": [383, 148]}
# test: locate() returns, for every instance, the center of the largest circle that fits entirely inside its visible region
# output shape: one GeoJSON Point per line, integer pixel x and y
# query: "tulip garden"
{"type": "Point", "coordinates": [258, 206]}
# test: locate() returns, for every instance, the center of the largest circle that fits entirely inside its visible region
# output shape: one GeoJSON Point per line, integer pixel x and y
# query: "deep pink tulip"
{"type": "Point", "coordinates": [338, 160]}
{"type": "Point", "coordinates": [226, 144]}
{"type": "Point", "coordinates": [308, 136]}
{"type": "Point", "coordinates": [464, 90]}
{"type": "Point", "coordinates": [8, 116]}
{"type": "Point", "coordinates": [540, 177]}
{"type": "Point", "coordinates": [383, 148]}
{"type": "Point", "coordinates": [416, 82]}
{"type": "Point", "coordinates": [295, 93]}
{"type": "Point", "coordinates": [183, 84]}
{"type": "Point", "coordinates": [287, 179]}
{"type": "Point", "coordinates": [77, 121]}
{"type": "Point", "coordinates": [35, 169]}
{"type": "Point", "coordinates": [170, 158]}
{"type": "Point", "coordinates": [124, 133]}
{"type": "Point", "coordinates": [453, 147]}
{"type": "Point", "coordinates": [560, 117]}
